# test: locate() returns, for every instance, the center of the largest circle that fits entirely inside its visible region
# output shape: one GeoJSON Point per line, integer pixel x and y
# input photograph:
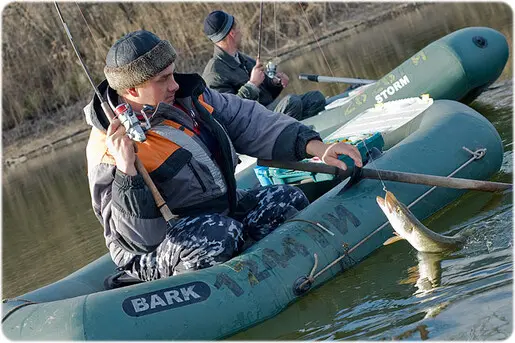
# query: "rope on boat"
{"type": "Point", "coordinates": [308, 281]}
{"type": "Point", "coordinates": [311, 278]}
{"type": "Point", "coordinates": [11, 311]}
{"type": "Point", "coordinates": [315, 265]}
{"type": "Point", "coordinates": [476, 155]}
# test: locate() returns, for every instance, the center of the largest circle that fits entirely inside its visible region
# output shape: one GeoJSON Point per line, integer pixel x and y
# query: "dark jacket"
{"type": "Point", "coordinates": [225, 75]}
{"type": "Point", "coordinates": [192, 177]}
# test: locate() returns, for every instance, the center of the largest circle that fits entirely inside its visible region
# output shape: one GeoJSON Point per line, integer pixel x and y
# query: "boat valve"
{"type": "Point", "coordinates": [302, 285]}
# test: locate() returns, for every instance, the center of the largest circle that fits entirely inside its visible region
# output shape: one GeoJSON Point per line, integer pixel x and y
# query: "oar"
{"type": "Point", "coordinates": [320, 78]}
{"type": "Point", "coordinates": [419, 179]}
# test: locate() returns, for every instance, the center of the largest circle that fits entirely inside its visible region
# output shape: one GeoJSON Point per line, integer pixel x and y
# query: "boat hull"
{"type": "Point", "coordinates": [222, 300]}
{"type": "Point", "coordinates": [457, 67]}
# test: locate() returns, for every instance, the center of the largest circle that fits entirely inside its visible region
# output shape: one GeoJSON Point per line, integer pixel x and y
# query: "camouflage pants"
{"type": "Point", "coordinates": [207, 240]}
{"type": "Point", "coordinates": [301, 106]}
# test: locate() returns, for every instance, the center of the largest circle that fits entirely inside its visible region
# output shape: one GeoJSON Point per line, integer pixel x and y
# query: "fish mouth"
{"type": "Point", "coordinates": [389, 203]}
{"type": "Point", "coordinates": [380, 202]}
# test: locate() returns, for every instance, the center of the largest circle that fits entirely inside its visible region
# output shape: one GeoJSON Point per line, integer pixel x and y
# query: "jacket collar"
{"type": "Point", "coordinates": [190, 85]}
{"type": "Point", "coordinates": [223, 56]}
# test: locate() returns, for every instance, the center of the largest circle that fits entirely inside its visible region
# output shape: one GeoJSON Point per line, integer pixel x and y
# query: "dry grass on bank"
{"type": "Point", "coordinates": [41, 74]}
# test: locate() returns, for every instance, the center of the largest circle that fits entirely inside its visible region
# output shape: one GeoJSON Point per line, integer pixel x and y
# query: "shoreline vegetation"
{"type": "Point", "coordinates": [43, 98]}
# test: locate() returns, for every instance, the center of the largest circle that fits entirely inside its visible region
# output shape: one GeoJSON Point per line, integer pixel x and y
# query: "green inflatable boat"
{"type": "Point", "coordinates": [458, 67]}
{"type": "Point", "coordinates": [222, 300]}
{"type": "Point", "coordinates": [348, 226]}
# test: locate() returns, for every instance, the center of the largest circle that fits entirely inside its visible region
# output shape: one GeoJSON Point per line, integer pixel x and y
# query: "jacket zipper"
{"type": "Point", "coordinates": [197, 176]}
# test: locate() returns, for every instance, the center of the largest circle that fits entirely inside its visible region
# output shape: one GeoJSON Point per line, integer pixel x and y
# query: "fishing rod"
{"type": "Point", "coordinates": [260, 29]}
{"type": "Point", "coordinates": [131, 123]}
{"type": "Point", "coordinates": [270, 68]}
{"type": "Point", "coordinates": [124, 111]}
{"type": "Point", "coordinates": [320, 78]}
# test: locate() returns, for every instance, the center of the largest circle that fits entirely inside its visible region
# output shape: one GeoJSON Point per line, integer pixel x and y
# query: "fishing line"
{"type": "Point", "coordinates": [372, 161]}
{"type": "Point", "coordinates": [89, 28]}
{"type": "Point", "coordinates": [328, 66]}
{"type": "Point", "coordinates": [316, 40]}
{"type": "Point", "coordinates": [275, 33]}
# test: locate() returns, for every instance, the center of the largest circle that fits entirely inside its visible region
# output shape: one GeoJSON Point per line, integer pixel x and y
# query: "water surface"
{"type": "Point", "coordinates": [49, 229]}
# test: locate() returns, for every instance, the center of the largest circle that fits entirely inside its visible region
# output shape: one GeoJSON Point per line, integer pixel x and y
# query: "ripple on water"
{"type": "Point", "coordinates": [507, 162]}
{"type": "Point", "coordinates": [477, 278]}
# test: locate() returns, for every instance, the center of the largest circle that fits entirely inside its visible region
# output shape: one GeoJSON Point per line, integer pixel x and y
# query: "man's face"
{"type": "Point", "coordinates": [160, 88]}
{"type": "Point", "coordinates": [236, 35]}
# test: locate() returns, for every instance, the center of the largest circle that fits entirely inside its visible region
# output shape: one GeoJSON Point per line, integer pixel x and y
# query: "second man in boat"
{"type": "Point", "coordinates": [230, 71]}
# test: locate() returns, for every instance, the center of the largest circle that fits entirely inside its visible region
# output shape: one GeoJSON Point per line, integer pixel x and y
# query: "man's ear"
{"type": "Point", "coordinates": [133, 91]}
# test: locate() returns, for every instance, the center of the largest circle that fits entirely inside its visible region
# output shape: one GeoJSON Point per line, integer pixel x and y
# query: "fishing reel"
{"type": "Point", "coordinates": [271, 70]}
{"type": "Point", "coordinates": [135, 129]}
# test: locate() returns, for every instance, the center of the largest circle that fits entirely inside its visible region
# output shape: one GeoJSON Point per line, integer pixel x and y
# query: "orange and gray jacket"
{"type": "Point", "coordinates": [194, 174]}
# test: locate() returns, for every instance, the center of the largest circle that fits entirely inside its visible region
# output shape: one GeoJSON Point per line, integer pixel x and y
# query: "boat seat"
{"type": "Point", "coordinates": [120, 279]}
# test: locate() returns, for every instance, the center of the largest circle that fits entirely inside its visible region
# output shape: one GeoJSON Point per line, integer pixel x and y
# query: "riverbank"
{"type": "Point", "coordinates": [67, 126]}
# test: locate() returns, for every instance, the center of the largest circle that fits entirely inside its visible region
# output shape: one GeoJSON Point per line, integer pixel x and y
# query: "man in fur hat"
{"type": "Point", "coordinates": [190, 153]}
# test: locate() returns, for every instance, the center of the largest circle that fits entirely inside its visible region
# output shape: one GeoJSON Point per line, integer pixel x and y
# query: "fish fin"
{"type": "Point", "coordinates": [393, 240]}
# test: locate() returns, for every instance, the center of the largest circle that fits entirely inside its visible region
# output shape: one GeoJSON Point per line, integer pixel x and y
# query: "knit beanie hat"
{"type": "Point", "coordinates": [137, 57]}
{"type": "Point", "coordinates": [217, 25]}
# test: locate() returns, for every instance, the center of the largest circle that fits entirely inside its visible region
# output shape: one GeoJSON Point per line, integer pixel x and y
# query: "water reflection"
{"type": "Point", "coordinates": [427, 274]}
{"type": "Point", "coordinates": [49, 227]}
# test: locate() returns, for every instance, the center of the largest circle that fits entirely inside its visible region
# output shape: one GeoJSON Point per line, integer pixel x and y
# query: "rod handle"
{"type": "Point", "coordinates": [158, 198]}
{"type": "Point", "coordinates": [107, 110]}
{"type": "Point", "coordinates": [309, 77]}
{"type": "Point", "coordinates": [160, 202]}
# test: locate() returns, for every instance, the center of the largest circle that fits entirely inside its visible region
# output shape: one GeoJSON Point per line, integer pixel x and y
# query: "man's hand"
{"type": "Point", "coordinates": [121, 147]}
{"type": "Point", "coordinates": [283, 78]}
{"type": "Point", "coordinates": [257, 74]}
{"type": "Point", "coordinates": [329, 153]}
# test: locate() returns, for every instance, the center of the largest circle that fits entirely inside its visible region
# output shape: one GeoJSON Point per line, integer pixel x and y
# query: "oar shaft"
{"type": "Point", "coordinates": [306, 166]}
{"type": "Point", "coordinates": [387, 175]}
{"type": "Point", "coordinates": [434, 180]}
{"type": "Point", "coordinates": [320, 78]}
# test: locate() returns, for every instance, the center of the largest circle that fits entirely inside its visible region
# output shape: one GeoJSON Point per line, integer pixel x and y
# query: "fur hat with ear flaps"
{"type": "Point", "coordinates": [137, 57]}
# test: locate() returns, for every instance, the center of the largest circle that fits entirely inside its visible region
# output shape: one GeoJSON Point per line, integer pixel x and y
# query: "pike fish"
{"type": "Point", "coordinates": [408, 227]}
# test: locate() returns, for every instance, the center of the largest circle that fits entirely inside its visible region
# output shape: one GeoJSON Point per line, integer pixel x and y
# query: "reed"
{"type": "Point", "coordinates": [40, 73]}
